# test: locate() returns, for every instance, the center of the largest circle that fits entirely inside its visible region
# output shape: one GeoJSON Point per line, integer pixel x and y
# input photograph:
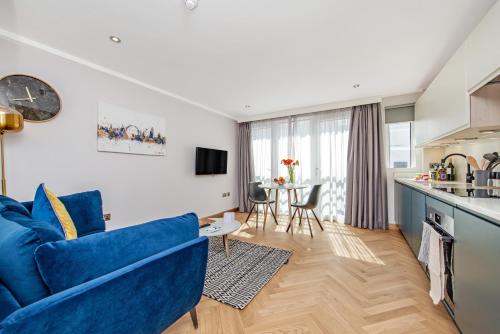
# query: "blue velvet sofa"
{"type": "Point", "coordinates": [138, 279]}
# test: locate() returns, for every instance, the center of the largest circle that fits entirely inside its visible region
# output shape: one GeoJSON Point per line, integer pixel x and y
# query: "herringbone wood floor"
{"type": "Point", "coordinates": [344, 280]}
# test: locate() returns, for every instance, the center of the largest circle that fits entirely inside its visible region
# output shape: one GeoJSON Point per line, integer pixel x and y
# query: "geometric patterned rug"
{"type": "Point", "coordinates": [237, 279]}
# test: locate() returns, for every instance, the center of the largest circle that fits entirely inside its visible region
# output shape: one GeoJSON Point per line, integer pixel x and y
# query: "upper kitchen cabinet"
{"type": "Point", "coordinates": [483, 50]}
{"type": "Point", "coordinates": [444, 107]}
{"type": "Point", "coordinates": [485, 106]}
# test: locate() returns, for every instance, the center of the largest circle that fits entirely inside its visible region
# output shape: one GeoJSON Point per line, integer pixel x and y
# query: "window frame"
{"type": "Point", "coordinates": [413, 161]}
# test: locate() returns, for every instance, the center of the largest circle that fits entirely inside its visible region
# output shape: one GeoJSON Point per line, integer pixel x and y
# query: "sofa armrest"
{"type": "Point", "coordinates": [144, 297]}
{"type": "Point", "coordinates": [67, 263]}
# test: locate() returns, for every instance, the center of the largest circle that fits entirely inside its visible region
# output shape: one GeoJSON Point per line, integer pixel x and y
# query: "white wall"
{"type": "Point", "coordinates": [62, 152]}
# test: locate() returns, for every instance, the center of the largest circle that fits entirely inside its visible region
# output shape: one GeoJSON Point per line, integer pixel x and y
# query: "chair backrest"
{"type": "Point", "coordinates": [256, 193]}
{"type": "Point", "coordinates": [312, 201]}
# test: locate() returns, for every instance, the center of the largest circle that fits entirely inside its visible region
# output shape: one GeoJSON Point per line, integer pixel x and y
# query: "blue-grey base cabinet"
{"type": "Point", "coordinates": [476, 258]}
{"type": "Point", "coordinates": [477, 274]}
{"type": "Point", "coordinates": [417, 216]}
{"type": "Point", "coordinates": [410, 212]}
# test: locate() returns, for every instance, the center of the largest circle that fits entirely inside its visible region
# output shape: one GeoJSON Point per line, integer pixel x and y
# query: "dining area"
{"type": "Point", "coordinates": [266, 195]}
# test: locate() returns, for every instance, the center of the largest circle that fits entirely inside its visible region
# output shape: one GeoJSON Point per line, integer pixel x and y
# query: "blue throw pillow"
{"type": "Point", "coordinates": [8, 303]}
{"type": "Point", "coordinates": [14, 211]}
{"type": "Point", "coordinates": [8, 204]}
{"type": "Point", "coordinates": [47, 207]}
{"type": "Point", "coordinates": [86, 211]}
{"type": "Point", "coordinates": [45, 231]}
{"type": "Point", "coordinates": [18, 270]}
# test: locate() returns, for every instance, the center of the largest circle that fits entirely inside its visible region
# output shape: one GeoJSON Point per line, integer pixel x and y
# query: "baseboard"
{"type": "Point", "coordinates": [220, 214]}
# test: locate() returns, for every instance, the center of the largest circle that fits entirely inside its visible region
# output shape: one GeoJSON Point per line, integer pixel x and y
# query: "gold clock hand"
{"type": "Point", "coordinates": [29, 94]}
{"type": "Point", "coordinates": [25, 99]}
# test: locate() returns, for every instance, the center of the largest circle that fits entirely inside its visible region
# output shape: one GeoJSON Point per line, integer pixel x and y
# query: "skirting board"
{"type": "Point", "coordinates": [219, 214]}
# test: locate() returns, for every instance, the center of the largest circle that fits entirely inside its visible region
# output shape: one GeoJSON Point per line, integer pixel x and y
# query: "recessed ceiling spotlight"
{"type": "Point", "coordinates": [191, 4]}
{"type": "Point", "coordinates": [355, 86]}
{"type": "Point", "coordinates": [115, 39]}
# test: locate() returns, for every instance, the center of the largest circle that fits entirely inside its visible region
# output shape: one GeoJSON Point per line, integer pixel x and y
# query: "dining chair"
{"type": "Point", "coordinates": [257, 196]}
{"type": "Point", "coordinates": [310, 204]}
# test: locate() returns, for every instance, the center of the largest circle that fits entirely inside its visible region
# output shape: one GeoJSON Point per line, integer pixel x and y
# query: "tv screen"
{"type": "Point", "coordinates": [209, 161]}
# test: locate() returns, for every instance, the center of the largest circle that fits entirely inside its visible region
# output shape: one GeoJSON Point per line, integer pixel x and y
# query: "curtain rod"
{"type": "Point", "coordinates": [305, 111]}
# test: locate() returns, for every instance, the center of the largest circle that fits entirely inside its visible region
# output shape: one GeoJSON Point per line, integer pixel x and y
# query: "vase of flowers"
{"type": "Point", "coordinates": [290, 165]}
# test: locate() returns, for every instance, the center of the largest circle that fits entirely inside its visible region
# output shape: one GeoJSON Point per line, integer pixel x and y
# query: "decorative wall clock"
{"type": "Point", "coordinates": [36, 100]}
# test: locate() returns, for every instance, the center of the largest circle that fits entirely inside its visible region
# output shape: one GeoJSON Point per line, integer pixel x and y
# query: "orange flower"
{"type": "Point", "coordinates": [289, 162]}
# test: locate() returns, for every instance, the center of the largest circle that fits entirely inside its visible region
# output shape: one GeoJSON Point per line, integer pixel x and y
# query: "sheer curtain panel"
{"type": "Point", "coordinates": [319, 141]}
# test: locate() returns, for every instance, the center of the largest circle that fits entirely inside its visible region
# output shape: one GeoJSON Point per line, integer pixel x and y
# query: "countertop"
{"type": "Point", "coordinates": [488, 208]}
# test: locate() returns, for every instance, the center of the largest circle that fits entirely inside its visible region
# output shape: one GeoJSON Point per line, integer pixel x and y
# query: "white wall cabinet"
{"type": "Point", "coordinates": [483, 49]}
{"type": "Point", "coordinates": [444, 108]}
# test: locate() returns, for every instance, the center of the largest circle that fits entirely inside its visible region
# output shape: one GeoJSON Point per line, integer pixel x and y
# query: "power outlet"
{"type": "Point", "coordinates": [107, 217]}
{"type": "Point", "coordinates": [223, 194]}
{"type": "Point", "coordinates": [226, 194]}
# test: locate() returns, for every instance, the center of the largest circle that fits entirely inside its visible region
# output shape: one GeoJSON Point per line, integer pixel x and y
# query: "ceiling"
{"type": "Point", "coordinates": [269, 55]}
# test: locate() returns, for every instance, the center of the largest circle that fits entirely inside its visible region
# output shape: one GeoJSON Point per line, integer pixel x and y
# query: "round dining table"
{"type": "Point", "coordinates": [288, 187]}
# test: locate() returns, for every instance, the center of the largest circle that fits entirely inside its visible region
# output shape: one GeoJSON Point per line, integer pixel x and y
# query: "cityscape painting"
{"type": "Point", "coordinates": [125, 131]}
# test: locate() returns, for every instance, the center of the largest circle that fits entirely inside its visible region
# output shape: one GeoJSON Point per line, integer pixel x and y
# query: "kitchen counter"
{"type": "Point", "coordinates": [488, 208]}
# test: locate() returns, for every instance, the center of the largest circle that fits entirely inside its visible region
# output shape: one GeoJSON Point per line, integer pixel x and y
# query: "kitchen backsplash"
{"type": "Point", "coordinates": [476, 149]}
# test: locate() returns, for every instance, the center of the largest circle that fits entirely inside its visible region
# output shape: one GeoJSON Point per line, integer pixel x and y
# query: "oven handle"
{"type": "Point", "coordinates": [445, 236]}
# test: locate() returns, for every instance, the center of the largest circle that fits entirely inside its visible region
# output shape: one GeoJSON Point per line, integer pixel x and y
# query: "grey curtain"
{"type": "Point", "coordinates": [366, 202]}
{"type": "Point", "coordinates": [245, 165]}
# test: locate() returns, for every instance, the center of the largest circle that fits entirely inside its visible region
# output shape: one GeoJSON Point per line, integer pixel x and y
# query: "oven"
{"type": "Point", "coordinates": [444, 224]}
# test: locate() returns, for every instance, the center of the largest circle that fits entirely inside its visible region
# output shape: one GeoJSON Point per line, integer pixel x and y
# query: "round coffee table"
{"type": "Point", "coordinates": [220, 228]}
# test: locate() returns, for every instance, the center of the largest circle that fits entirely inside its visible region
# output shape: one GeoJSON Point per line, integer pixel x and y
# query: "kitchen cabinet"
{"type": "Point", "coordinates": [485, 107]}
{"type": "Point", "coordinates": [477, 274]}
{"type": "Point", "coordinates": [410, 212]}
{"type": "Point", "coordinates": [444, 107]}
{"type": "Point", "coordinates": [483, 49]}
{"type": "Point", "coordinates": [405, 208]}
{"type": "Point", "coordinates": [417, 217]}
{"type": "Point", "coordinates": [398, 189]}
{"type": "Point", "coordinates": [476, 256]}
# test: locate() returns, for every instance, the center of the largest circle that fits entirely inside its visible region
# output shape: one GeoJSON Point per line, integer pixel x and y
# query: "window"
{"type": "Point", "coordinates": [319, 141]}
{"type": "Point", "coordinates": [399, 136]}
{"type": "Point", "coordinates": [400, 140]}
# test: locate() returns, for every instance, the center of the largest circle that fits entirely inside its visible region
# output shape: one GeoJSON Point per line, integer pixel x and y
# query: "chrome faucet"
{"type": "Point", "coordinates": [468, 177]}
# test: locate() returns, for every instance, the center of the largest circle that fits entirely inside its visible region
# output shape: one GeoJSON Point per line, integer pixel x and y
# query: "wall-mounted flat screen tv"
{"type": "Point", "coordinates": [209, 161]}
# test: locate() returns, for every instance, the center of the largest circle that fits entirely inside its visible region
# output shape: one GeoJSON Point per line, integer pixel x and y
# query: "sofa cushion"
{"type": "Point", "coordinates": [8, 303]}
{"type": "Point", "coordinates": [18, 270]}
{"type": "Point", "coordinates": [85, 209]}
{"type": "Point", "coordinates": [47, 207]}
{"type": "Point", "coordinates": [45, 231]}
{"type": "Point", "coordinates": [13, 210]}
{"type": "Point", "coordinates": [67, 263]}
{"type": "Point", "coordinates": [8, 204]}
